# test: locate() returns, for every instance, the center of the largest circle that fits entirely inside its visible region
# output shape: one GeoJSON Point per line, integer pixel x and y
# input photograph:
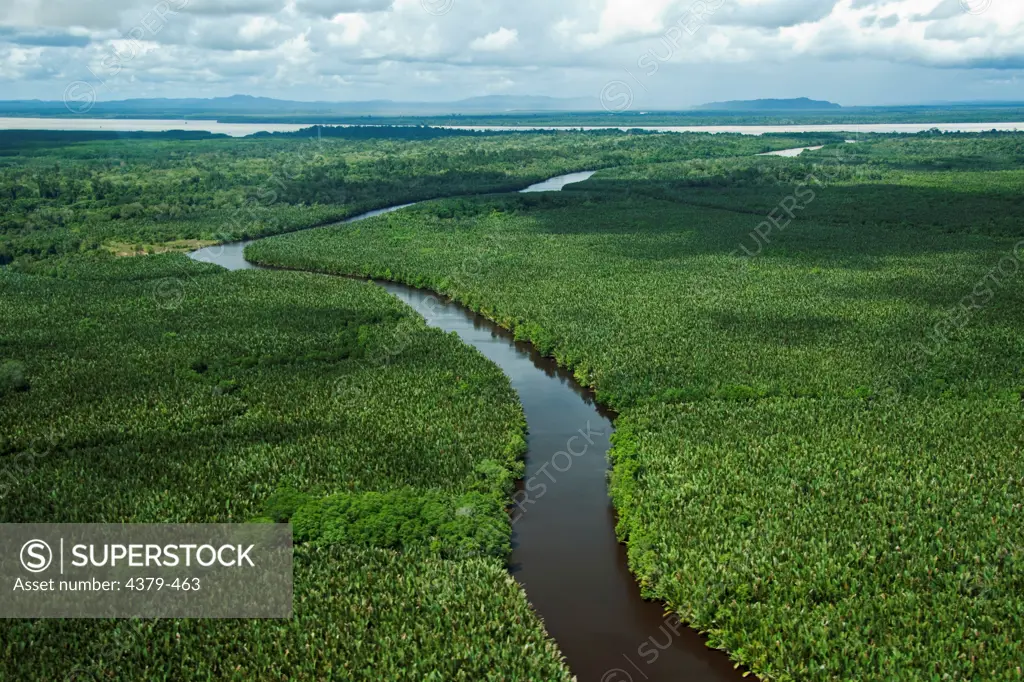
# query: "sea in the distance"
{"type": "Point", "coordinates": [243, 129]}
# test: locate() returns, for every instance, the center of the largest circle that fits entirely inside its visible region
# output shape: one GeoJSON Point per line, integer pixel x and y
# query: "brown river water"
{"type": "Point", "coordinates": [565, 553]}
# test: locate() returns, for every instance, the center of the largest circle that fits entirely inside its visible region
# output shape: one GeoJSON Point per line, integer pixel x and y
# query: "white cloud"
{"type": "Point", "coordinates": [502, 39]}
{"type": "Point", "coordinates": [366, 49]}
{"type": "Point", "coordinates": [256, 28]}
{"type": "Point", "coordinates": [627, 19]}
{"type": "Point", "coordinates": [347, 30]}
{"type": "Point", "coordinates": [332, 8]}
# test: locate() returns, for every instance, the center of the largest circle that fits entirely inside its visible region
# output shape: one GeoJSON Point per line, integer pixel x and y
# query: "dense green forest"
{"type": "Point", "coordinates": [818, 367]}
{"type": "Point", "coordinates": [162, 390]}
{"type": "Point", "coordinates": [392, 448]}
{"type": "Point", "coordinates": [817, 363]}
{"type": "Point", "coordinates": [149, 195]}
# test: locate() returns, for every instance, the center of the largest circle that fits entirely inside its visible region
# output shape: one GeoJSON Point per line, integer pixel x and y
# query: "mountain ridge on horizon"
{"type": "Point", "coordinates": [770, 104]}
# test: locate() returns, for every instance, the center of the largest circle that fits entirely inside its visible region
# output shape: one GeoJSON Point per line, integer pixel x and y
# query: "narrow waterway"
{"type": "Point", "coordinates": [565, 553]}
{"type": "Point", "coordinates": [792, 153]}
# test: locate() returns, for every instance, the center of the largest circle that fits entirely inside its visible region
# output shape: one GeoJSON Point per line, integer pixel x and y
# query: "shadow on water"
{"type": "Point", "coordinates": [565, 552]}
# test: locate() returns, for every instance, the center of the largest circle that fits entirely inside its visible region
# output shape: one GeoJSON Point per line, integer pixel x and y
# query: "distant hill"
{"type": "Point", "coordinates": [798, 104]}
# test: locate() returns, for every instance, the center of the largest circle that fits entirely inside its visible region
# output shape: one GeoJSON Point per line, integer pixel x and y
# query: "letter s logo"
{"type": "Point", "coordinates": [36, 556]}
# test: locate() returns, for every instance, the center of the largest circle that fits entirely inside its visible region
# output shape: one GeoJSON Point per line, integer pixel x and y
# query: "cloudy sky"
{"type": "Point", "coordinates": [663, 53]}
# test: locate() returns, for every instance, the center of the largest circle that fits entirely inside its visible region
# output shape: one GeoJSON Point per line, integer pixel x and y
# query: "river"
{"type": "Point", "coordinates": [565, 552]}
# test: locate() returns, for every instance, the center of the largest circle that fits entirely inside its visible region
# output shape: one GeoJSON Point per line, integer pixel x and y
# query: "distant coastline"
{"type": "Point", "coordinates": [508, 111]}
{"type": "Point", "coordinates": [242, 129]}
